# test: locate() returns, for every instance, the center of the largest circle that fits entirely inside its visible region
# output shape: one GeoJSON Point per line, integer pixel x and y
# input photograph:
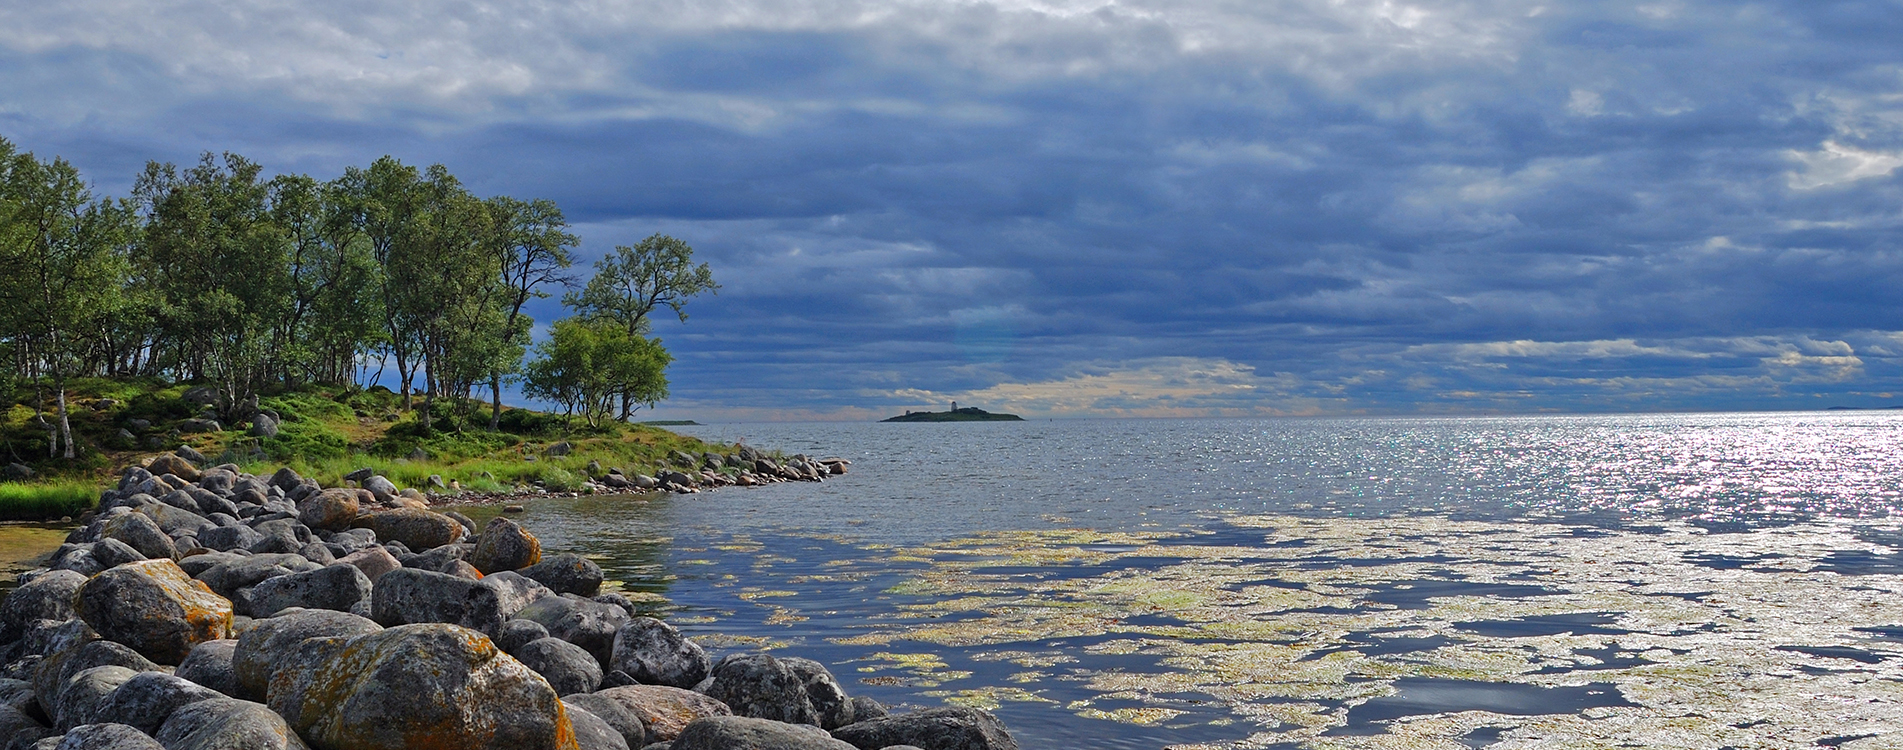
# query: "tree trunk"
{"type": "Point", "coordinates": [65, 425]}
{"type": "Point", "coordinates": [429, 392]}
{"type": "Point", "coordinates": [495, 403]}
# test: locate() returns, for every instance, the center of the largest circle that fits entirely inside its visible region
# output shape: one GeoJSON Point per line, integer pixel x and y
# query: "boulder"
{"type": "Point", "coordinates": [590, 625]}
{"type": "Point", "coordinates": [867, 709]}
{"type": "Point", "coordinates": [149, 698]}
{"type": "Point", "coordinates": [567, 574]}
{"type": "Point", "coordinates": [225, 538]}
{"type": "Point", "coordinates": [742, 733]}
{"type": "Point", "coordinates": [269, 642]}
{"type": "Point", "coordinates": [112, 553]}
{"type": "Point", "coordinates": [823, 691]}
{"type": "Point", "coordinates": [193, 426]}
{"type": "Point", "coordinates": [360, 475]}
{"type": "Point", "coordinates": [426, 685]}
{"type": "Point", "coordinates": [141, 533]}
{"type": "Point", "coordinates": [759, 686]}
{"type": "Point", "coordinates": [516, 591]}
{"type": "Point", "coordinates": [17, 472]}
{"type": "Point", "coordinates": [226, 577]}
{"type": "Point", "coordinates": [52, 674]}
{"type": "Point", "coordinates": [515, 634]}
{"type": "Point", "coordinates": [332, 510]}
{"type": "Point", "coordinates": [185, 452]}
{"type": "Point", "coordinates": [664, 711]}
{"type": "Point", "coordinates": [380, 486]}
{"type": "Point", "coordinates": [373, 561]}
{"type": "Point", "coordinates": [88, 691]}
{"type": "Point", "coordinates": [625, 722]}
{"type": "Point", "coordinates": [227, 724]}
{"type": "Point", "coordinates": [46, 597]}
{"type": "Point", "coordinates": [169, 463]}
{"type": "Point", "coordinates": [505, 545]}
{"type": "Point", "coordinates": [178, 518]}
{"type": "Point", "coordinates": [950, 728]}
{"type": "Point", "coordinates": [408, 596]}
{"type": "Point", "coordinates": [591, 733]}
{"type": "Point", "coordinates": [106, 736]}
{"type": "Point", "coordinates": [210, 664]}
{"type": "Point", "coordinates": [337, 587]}
{"type": "Point", "coordinates": [155, 608]}
{"type": "Point", "coordinates": [417, 529]}
{"type": "Point", "coordinates": [568, 668]}
{"type": "Point", "coordinates": [655, 653]}
{"type": "Point", "coordinates": [262, 425]}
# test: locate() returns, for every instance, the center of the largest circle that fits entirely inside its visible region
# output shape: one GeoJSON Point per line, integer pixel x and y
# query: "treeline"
{"type": "Point", "coordinates": [216, 273]}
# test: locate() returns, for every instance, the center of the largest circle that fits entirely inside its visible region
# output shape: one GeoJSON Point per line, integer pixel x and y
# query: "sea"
{"type": "Point", "coordinates": [1652, 580]}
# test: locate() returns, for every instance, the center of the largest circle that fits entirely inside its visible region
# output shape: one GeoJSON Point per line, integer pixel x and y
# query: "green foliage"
{"type": "Point", "coordinates": [306, 437]}
{"type": "Point", "coordinates": [589, 366]}
{"type": "Point", "coordinates": [40, 500]}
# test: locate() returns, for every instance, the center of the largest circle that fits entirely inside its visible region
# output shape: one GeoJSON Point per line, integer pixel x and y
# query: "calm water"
{"type": "Point", "coordinates": [1658, 580]}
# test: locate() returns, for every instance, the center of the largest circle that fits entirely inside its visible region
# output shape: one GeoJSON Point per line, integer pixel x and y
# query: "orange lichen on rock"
{"type": "Point", "coordinates": [155, 608]}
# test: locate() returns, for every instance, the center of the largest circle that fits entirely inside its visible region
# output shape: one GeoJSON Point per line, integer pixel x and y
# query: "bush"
{"type": "Point", "coordinates": [308, 439]}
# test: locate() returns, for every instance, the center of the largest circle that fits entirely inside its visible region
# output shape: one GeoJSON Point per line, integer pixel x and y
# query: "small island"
{"type": "Point", "coordinates": [967, 414]}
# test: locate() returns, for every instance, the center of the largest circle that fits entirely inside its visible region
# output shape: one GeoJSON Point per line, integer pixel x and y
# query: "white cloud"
{"type": "Point", "coordinates": [1836, 164]}
{"type": "Point", "coordinates": [1159, 387]}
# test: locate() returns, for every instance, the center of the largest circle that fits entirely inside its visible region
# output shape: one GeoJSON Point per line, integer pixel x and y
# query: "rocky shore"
{"type": "Point", "coordinates": [217, 610]}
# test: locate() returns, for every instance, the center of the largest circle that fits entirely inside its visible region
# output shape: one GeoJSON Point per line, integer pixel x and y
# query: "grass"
{"type": "Point", "coordinates": [44, 500]}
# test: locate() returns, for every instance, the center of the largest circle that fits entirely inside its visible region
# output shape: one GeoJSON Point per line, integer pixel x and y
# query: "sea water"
{"type": "Point", "coordinates": [1649, 580]}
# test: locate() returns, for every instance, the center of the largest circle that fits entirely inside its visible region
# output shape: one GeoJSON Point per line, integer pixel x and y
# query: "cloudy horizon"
{"type": "Point", "coordinates": [1090, 208]}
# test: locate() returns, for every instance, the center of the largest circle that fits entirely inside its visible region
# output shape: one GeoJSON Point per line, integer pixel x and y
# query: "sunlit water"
{"type": "Point", "coordinates": [1654, 580]}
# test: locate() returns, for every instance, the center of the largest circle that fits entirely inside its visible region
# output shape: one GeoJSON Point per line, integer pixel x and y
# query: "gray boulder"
{"type": "Point", "coordinates": [225, 538]}
{"type": "Point", "coordinates": [140, 532]}
{"type": "Point", "coordinates": [262, 425]}
{"type": "Point", "coordinates": [194, 426]}
{"type": "Point", "coordinates": [742, 733]}
{"type": "Point", "coordinates": [155, 608]}
{"type": "Point", "coordinates": [567, 667]}
{"type": "Point", "coordinates": [625, 722]}
{"type": "Point", "coordinates": [407, 596]}
{"type": "Point", "coordinates": [336, 587]}
{"type": "Point", "coordinates": [505, 545]}
{"type": "Point", "coordinates": [52, 674]}
{"type": "Point", "coordinates": [591, 733]}
{"type": "Point", "coordinates": [373, 561]}
{"type": "Point", "coordinates": [112, 553]}
{"type": "Point", "coordinates": [867, 709]}
{"type": "Point", "coordinates": [823, 691]}
{"type": "Point", "coordinates": [516, 590]}
{"type": "Point", "coordinates": [514, 634]}
{"type": "Point", "coordinates": [567, 574]}
{"type": "Point", "coordinates": [148, 699]}
{"type": "Point", "coordinates": [106, 736]}
{"type": "Point", "coordinates": [382, 487]}
{"type": "Point", "coordinates": [590, 625]}
{"type": "Point", "coordinates": [951, 728]}
{"type": "Point", "coordinates": [227, 724]}
{"type": "Point", "coordinates": [177, 520]}
{"type": "Point", "coordinates": [664, 711]}
{"type": "Point", "coordinates": [759, 686]}
{"type": "Point", "coordinates": [48, 596]}
{"type": "Point", "coordinates": [210, 664]}
{"type": "Point", "coordinates": [416, 528]}
{"type": "Point", "coordinates": [225, 578]}
{"type": "Point", "coordinates": [269, 642]}
{"type": "Point", "coordinates": [86, 692]}
{"type": "Point", "coordinates": [655, 653]}
{"type": "Point", "coordinates": [332, 509]}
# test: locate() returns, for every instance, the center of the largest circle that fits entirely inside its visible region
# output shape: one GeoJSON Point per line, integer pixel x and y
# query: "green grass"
{"type": "Point", "coordinates": [44, 500]}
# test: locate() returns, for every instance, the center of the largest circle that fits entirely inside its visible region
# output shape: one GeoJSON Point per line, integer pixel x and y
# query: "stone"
{"type": "Point", "coordinates": [178, 518]}
{"type": "Point", "coordinates": [155, 608]}
{"type": "Point", "coordinates": [418, 454]}
{"type": "Point", "coordinates": [759, 686]}
{"type": "Point", "coordinates": [424, 686]}
{"type": "Point", "coordinates": [950, 728]}
{"type": "Point", "coordinates": [664, 711]}
{"type": "Point", "coordinates": [270, 641]}
{"type": "Point", "coordinates": [867, 709]}
{"type": "Point", "coordinates": [567, 574]}
{"type": "Point", "coordinates": [515, 591]}
{"type": "Point", "coordinates": [284, 479]}
{"type": "Point", "coordinates": [141, 533]}
{"type": "Point", "coordinates": [469, 524]}
{"type": "Point", "coordinates": [505, 545]}
{"type": "Point", "coordinates": [591, 733]}
{"type": "Point", "coordinates": [227, 724]}
{"type": "Point", "coordinates": [227, 538]}
{"type": "Point", "coordinates": [655, 653]}
{"type": "Point", "coordinates": [567, 667]}
{"type": "Point", "coordinates": [514, 634]}
{"type": "Point", "coordinates": [435, 482]}
{"type": "Point", "coordinates": [185, 452]}
{"type": "Point", "coordinates": [625, 722]}
{"type": "Point", "coordinates": [562, 448]}
{"type": "Point", "coordinates": [823, 691]}
{"type": "Point", "coordinates": [590, 625]}
{"type": "Point", "coordinates": [171, 463]}
{"type": "Point", "coordinates": [17, 472]}
{"type": "Point", "coordinates": [332, 510]}
{"type": "Point", "coordinates": [210, 664]}
{"type": "Point", "coordinates": [195, 426]}
{"type": "Point", "coordinates": [149, 698]}
{"type": "Point", "coordinates": [380, 486]}
{"type": "Point", "coordinates": [742, 733]}
{"type": "Point", "coordinates": [373, 561]}
{"type": "Point", "coordinates": [408, 596]}
{"type": "Point", "coordinates": [86, 692]}
{"type": "Point", "coordinates": [417, 529]}
{"type": "Point", "coordinates": [46, 597]}
{"type": "Point", "coordinates": [360, 475]}
{"type": "Point", "coordinates": [336, 587]}
{"type": "Point", "coordinates": [52, 673]}
{"type": "Point", "coordinates": [225, 578]}
{"type": "Point", "coordinates": [262, 425]}
{"type": "Point", "coordinates": [106, 736]}
{"type": "Point", "coordinates": [111, 553]}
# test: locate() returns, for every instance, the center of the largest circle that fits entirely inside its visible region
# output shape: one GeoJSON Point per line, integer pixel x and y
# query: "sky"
{"type": "Point", "coordinates": [1089, 208]}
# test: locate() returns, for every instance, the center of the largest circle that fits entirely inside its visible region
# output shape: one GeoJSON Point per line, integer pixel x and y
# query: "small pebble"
{"type": "Point", "coordinates": [513, 509]}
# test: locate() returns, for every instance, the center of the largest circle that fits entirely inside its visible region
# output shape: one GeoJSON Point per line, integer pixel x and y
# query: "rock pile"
{"type": "Point", "coordinates": [206, 610]}
{"type": "Point", "coordinates": [691, 473]}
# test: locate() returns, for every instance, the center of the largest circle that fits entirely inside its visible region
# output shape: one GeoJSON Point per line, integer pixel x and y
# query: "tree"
{"type": "Point", "coordinates": [530, 242]}
{"type": "Point", "coordinates": [589, 365]}
{"type": "Point", "coordinates": [631, 282]}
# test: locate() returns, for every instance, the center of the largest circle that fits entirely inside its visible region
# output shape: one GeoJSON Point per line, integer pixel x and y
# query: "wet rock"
{"type": "Point", "coordinates": [951, 728]}
{"type": "Point", "coordinates": [333, 509]}
{"type": "Point", "coordinates": [335, 587]}
{"type": "Point", "coordinates": [567, 667]}
{"type": "Point", "coordinates": [823, 691]}
{"type": "Point", "coordinates": [567, 574]}
{"type": "Point", "coordinates": [505, 545]}
{"type": "Point", "coordinates": [210, 664]}
{"type": "Point", "coordinates": [46, 597]}
{"type": "Point", "coordinates": [148, 699]}
{"type": "Point", "coordinates": [590, 625]}
{"type": "Point", "coordinates": [416, 529]}
{"type": "Point", "coordinates": [373, 561]}
{"type": "Point", "coordinates": [141, 533]}
{"type": "Point", "coordinates": [106, 736]}
{"type": "Point", "coordinates": [591, 733]}
{"type": "Point", "coordinates": [427, 685]}
{"type": "Point", "coordinates": [742, 733]}
{"type": "Point", "coordinates": [664, 711]}
{"type": "Point", "coordinates": [407, 596]}
{"type": "Point", "coordinates": [155, 608]}
{"type": "Point", "coordinates": [227, 724]}
{"type": "Point", "coordinates": [625, 722]}
{"type": "Point", "coordinates": [655, 653]}
{"type": "Point", "coordinates": [86, 692]}
{"type": "Point", "coordinates": [759, 686]}
{"type": "Point", "coordinates": [270, 641]}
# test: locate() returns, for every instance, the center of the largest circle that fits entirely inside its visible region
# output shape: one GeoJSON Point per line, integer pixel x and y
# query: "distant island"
{"type": "Point", "coordinates": [671, 423]}
{"type": "Point", "coordinates": [967, 414]}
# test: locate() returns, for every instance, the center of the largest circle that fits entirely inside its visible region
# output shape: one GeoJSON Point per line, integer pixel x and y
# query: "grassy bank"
{"type": "Point", "coordinates": [323, 433]}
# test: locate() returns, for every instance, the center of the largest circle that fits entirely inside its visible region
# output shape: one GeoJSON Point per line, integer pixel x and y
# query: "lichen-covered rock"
{"type": "Point", "coordinates": [655, 653]}
{"type": "Point", "coordinates": [588, 624]}
{"type": "Point", "coordinates": [336, 587]}
{"type": "Point", "coordinates": [51, 675]}
{"type": "Point", "coordinates": [417, 529]}
{"type": "Point", "coordinates": [823, 691]}
{"type": "Point", "coordinates": [567, 667]}
{"type": "Point", "coordinates": [48, 596]}
{"type": "Point", "coordinates": [332, 509]}
{"type": "Point", "coordinates": [141, 533]}
{"type": "Point", "coordinates": [567, 574]}
{"type": "Point", "coordinates": [742, 733]}
{"type": "Point", "coordinates": [227, 577]}
{"type": "Point", "coordinates": [625, 722]}
{"type": "Point", "coordinates": [424, 686]}
{"type": "Point", "coordinates": [664, 711]}
{"type": "Point", "coordinates": [155, 608]}
{"type": "Point", "coordinates": [106, 736]}
{"type": "Point", "coordinates": [373, 561]}
{"type": "Point", "coordinates": [177, 520]}
{"type": "Point", "coordinates": [407, 596]}
{"type": "Point", "coordinates": [951, 728]}
{"type": "Point", "coordinates": [227, 724]}
{"type": "Point", "coordinates": [591, 733]}
{"type": "Point", "coordinates": [505, 545]}
{"type": "Point", "coordinates": [759, 686]}
{"type": "Point", "coordinates": [268, 643]}
{"type": "Point", "coordinates": [210, 664]}
{"type": "Point", "coordinates": [225, 538]}
{"type": "Point", "coordinates": [112, 553]}
{"type": "Point", "coordinates": [174, 465]}
{"type": "Point", "coordinates": [86, 692]}
{"type": "Point", "coordinates": [149, 698]}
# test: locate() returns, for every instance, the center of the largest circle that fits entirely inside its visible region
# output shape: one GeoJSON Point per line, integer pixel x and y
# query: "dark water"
{"type": "Point", "coordinates": [1692, 581]}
